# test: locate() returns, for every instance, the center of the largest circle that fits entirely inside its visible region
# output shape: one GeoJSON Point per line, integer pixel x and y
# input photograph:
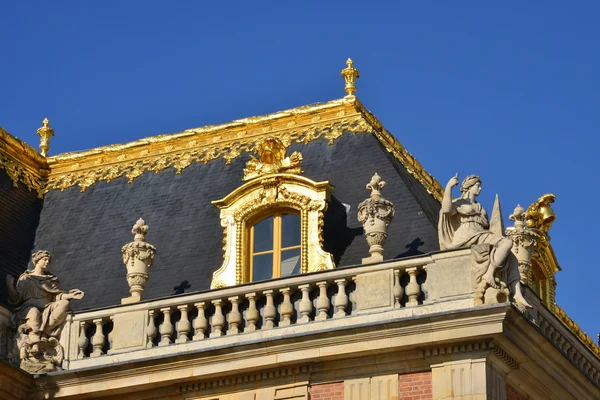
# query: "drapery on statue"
{"type": "Point", "coordinates": [464, 222]}
{"type": "Point", "coordinates": [40, 311]}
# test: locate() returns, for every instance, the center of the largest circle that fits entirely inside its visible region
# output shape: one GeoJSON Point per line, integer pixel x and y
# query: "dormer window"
{"type": "Point", "coordinates": [273, 222]}
{"type": "Point", "coordinates": [274, 248]}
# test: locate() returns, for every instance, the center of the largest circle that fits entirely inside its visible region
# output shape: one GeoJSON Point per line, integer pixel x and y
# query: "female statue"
{"type": "Point", "coordinates": [41, 306]}
{"type": "Point", "coordinates": [464, 222]}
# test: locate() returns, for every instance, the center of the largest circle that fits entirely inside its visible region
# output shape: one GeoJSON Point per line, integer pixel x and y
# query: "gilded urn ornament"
{"type": "Point", "coordinates": [376, 214]}
{"type": "Point", "coordinates": [137, 257]}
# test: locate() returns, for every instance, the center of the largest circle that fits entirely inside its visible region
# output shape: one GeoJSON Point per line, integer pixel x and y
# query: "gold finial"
{"type": "Point", "coordinates": [350, 75]}
{"type": "Point", "coordinates": [45, 133]}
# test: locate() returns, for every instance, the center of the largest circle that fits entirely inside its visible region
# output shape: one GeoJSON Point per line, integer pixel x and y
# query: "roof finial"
{"type": "Point", "coordinates": [45, 133]}
{"type": "Point", "coordinates": [350, 75]}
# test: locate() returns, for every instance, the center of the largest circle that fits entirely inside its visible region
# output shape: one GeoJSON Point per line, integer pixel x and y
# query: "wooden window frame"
{"type": "Point", "coordinates": [276, 250]}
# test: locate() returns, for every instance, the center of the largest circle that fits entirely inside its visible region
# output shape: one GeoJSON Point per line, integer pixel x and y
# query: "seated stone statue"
{"type": "Point", "coordinates": [464, 222]}
{"type": "Point", "coordinates": [40, 311]}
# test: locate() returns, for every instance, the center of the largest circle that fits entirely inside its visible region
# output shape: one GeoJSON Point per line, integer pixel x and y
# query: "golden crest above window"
{"type": "Point", "coordinates": [273, 223]}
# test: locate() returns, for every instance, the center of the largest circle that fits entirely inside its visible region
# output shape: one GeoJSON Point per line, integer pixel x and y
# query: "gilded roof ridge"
{"type": "Point", "coordinates": [306, 109]}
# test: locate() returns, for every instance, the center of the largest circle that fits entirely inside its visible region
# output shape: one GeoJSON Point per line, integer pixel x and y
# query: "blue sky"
{"type": "Point", "coordinates": [508, 91]}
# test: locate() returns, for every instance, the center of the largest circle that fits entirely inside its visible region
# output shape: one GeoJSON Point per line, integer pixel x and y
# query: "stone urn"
{"type": "Point", "coordinates": [376, 214]}
{"type": "Point", "coordinates": [137, 257]}
{"type": "Point", "coordinates": [524, 242]}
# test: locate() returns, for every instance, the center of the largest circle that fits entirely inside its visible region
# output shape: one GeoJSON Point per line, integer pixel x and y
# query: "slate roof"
{"type": "Point", "coordinates": [19, 215]}
{"type": "Point", "coordinates": [85, 231]}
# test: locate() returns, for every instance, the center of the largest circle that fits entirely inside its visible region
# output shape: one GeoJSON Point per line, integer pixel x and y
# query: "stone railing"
{"type": "Point", "coordinates": [298, 305]}
{"type": "Point", "coordinates": [205, 317]}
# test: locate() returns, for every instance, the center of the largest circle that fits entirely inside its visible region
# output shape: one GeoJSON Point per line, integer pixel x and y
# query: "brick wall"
{"type": "Point", "coordinates": [416, 386]}
{"type": "Point", "coordinates": [513, 394]}
{"type": "Point", "coordinates": [327, 391]}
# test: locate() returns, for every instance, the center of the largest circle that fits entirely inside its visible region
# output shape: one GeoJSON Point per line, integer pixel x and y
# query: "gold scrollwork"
{"type": "Point", "coordinates": [228, 141]}
{"type": "Point", "coordinates": [22, 163]}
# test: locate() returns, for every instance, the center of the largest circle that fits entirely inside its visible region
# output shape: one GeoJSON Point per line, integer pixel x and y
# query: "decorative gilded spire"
{"type": "Point", "coordinates": [350, 75]}
{"type": "Point", "coordinates": [45, 133]}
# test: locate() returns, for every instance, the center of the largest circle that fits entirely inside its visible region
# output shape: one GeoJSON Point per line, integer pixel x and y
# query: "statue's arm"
{"type": "Point", "coordinates": [13, 296]}
{"type": "Point", "coordinates": [447, 206]}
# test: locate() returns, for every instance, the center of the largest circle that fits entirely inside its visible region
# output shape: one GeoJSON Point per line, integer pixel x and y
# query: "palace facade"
{"type": "Point", "coordinates": [304, 254]}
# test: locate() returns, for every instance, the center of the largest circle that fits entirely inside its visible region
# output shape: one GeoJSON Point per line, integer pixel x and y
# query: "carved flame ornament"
{"type": "Point", "coordinates": [267, 190]}
{"type": "Point", "coordinates": [45, 133]}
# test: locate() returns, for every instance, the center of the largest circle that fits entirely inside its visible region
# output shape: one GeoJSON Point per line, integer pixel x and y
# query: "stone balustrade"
{"type": "Point", "coordinates": [259, 311]}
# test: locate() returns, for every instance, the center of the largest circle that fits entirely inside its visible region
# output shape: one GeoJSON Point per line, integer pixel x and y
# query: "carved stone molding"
{"type": "Point", "coordinates": [240, 379]}
{"type": "Point", "coordinates": [569, 350]}
{"type": "Point", "coordinates": [487, 345]}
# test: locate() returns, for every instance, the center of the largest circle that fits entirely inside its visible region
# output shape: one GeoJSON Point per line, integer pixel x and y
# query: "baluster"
{"type": "Point", "coordinates": [251, 313]}
{"type": "Point", "coordinates": [270, 312]}
{"type": "Point", "coordinates": [413, 290]}
{"type": "Point", "coordinates": [166, 328]}
{"type": "Point", "coordinates": [234, 317]}
{"type": "Point", "coordinates": [98, 339]}
{"type": "Point", "coordinates": [200, 323]}
{"type": "Point", "coordinates": [287, 308]}
{"type": "Point", "coordinates": [82, 341]}
{"type": "Point", "coordinates": [323, 302]}
{"type": "Point", "coordinates": [152, 331]}
{"type": "Point", "coordinates": [397, 289]}
{"type": "Point", "coordinates": [306, 305]}
{"type": "Point", "coordinates": [183, 326]}
{"type": "Point", "coordinates": [218, 320]}
{"type": "Point", "coordinates": [341, 299]}
{"type": "Point", "coordinates": [110, 335]}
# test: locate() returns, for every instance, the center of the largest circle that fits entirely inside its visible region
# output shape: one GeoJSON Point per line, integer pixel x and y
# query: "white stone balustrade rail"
{"type": "Point", "coordinates": [297, 306]}
{"type": "Point", "coordinates": [303, 300]}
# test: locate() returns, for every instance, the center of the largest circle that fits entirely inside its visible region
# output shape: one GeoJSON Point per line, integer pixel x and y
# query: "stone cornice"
{"type": "Point", "coordinates": [22, 163]}
{"type": "Point", "coordinates": [393, 334]}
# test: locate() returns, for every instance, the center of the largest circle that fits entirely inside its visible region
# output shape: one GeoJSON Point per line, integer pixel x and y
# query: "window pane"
{"type": "Point", "coordinates": [262, 267]}
{"type": "Point", "coordinates": [290, 230]}
{"type": "Point", "coordinates": [263, 235]}
{"type": "Point", "coordinates": [290, 262]}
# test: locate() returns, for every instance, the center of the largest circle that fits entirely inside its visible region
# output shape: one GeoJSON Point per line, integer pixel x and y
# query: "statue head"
{"type": "Point", "coordinates": [39, 256]}
{"type": "Point", "coordinates": [471, 183]}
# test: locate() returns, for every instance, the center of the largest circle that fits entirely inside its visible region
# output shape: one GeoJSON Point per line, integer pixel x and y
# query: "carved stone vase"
{"type": "Point", "coordinates": [137, 257]}
{"type": "Point", "coordinates": [376, 214]}
{"type": "Point", "coordinates": [524, 242]}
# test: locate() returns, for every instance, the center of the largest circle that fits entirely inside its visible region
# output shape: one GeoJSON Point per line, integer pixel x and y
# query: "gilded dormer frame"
{"type": "Point", "coordinates": [273, 183]}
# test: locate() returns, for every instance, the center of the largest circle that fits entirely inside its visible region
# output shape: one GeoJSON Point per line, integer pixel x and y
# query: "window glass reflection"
{"type": "Point", "coordinates": [263, 235]}
{"type": "Point", "coordinates": [290, 230]}
{"type": "Point", "coordinates": [290, 262]}
{"type": "Point", "coordinates": [262, 267]}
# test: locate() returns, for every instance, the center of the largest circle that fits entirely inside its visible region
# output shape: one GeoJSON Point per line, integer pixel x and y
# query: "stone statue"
{"type": "Point", "coordinates": [40, 311]}
{"type": "Point", "coordinates": [464, 222]}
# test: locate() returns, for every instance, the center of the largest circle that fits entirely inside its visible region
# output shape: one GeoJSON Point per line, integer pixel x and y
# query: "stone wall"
{"type": "Point", "coordinates": [514, 394]}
